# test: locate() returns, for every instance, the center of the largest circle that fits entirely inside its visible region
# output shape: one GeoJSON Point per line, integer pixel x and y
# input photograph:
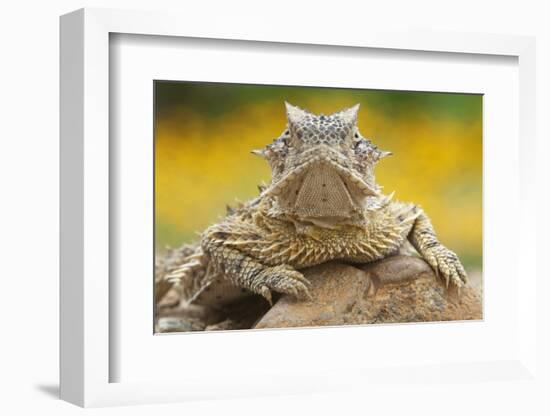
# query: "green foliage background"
{"type": "Point", "coordinates": [204, 133]}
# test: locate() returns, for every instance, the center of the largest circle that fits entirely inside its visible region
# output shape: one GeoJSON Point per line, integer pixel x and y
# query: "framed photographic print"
{"type": "Point", "coordinates": [276, 213]}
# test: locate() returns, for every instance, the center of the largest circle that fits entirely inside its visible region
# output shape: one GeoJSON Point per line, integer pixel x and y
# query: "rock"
{"type": "Point", "coordinates": [396, 289]}
{"type": "Point", "coordinates": [242, 314]}
{"type": "Point", "coordinates": [177, 324]}
{"type": "Point", "coordinates": [335, 289]}
{"type": "Point", "coordinates": [183, 318]}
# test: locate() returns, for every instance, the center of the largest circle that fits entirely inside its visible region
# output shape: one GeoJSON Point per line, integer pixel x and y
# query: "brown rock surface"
{"type": "Point", "coordinates": [396, 289]}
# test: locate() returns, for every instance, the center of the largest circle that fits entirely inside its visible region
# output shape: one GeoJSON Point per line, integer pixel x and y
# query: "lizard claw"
{"type": "Point", "coordinates": [447, 266]}
{"type": "Point", "coordinates": [285, 279]}
{"type": "Point", "coordinates": [266, 293]}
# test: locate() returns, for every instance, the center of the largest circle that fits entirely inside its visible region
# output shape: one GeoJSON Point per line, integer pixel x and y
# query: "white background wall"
{"type": "Point", "coordinates": [29, 57]}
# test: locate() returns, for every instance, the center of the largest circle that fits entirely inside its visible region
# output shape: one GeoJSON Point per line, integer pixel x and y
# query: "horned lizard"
{"type": "Point", "coordinates": [322, 204]}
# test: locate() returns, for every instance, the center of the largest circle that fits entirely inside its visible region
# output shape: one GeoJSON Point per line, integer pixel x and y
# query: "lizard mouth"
{"type": "Point", "coordinates": [321, 188]}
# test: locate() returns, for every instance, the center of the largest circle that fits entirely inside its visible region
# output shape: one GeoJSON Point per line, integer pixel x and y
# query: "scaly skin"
{"type": "Point", "coordinates": [322, 204]}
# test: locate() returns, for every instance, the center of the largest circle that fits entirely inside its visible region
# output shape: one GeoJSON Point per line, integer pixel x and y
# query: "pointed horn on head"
{"type": "Point", "coordinates": [258, 152]}
{"type": "Point", "coordinates": [349, 115]}
{"type": "Point", "coordinates": [381, 154]}
{"type": "Point", "coordinates": [294, 114]}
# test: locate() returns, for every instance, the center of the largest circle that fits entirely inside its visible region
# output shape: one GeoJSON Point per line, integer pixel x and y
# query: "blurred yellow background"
{"type": "Point", "coordinates": [204, 133]}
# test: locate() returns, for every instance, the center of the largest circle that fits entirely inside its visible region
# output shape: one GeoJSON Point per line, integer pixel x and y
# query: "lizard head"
{"type": "Point", "coordinates": [322, 167]}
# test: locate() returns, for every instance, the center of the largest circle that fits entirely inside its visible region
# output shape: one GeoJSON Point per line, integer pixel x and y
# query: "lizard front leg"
{"type": "Point", "coordinates": [444, 261]}
{"type": "Point", "coordinates": [246, 271]}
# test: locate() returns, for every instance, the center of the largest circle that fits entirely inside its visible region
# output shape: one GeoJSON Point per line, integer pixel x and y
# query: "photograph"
{"type": "Point", "coordinates": [293, 206]}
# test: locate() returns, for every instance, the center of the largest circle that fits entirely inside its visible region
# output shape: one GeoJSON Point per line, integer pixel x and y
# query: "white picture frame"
{"type": "Point", "coordinates": [87, 356]}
